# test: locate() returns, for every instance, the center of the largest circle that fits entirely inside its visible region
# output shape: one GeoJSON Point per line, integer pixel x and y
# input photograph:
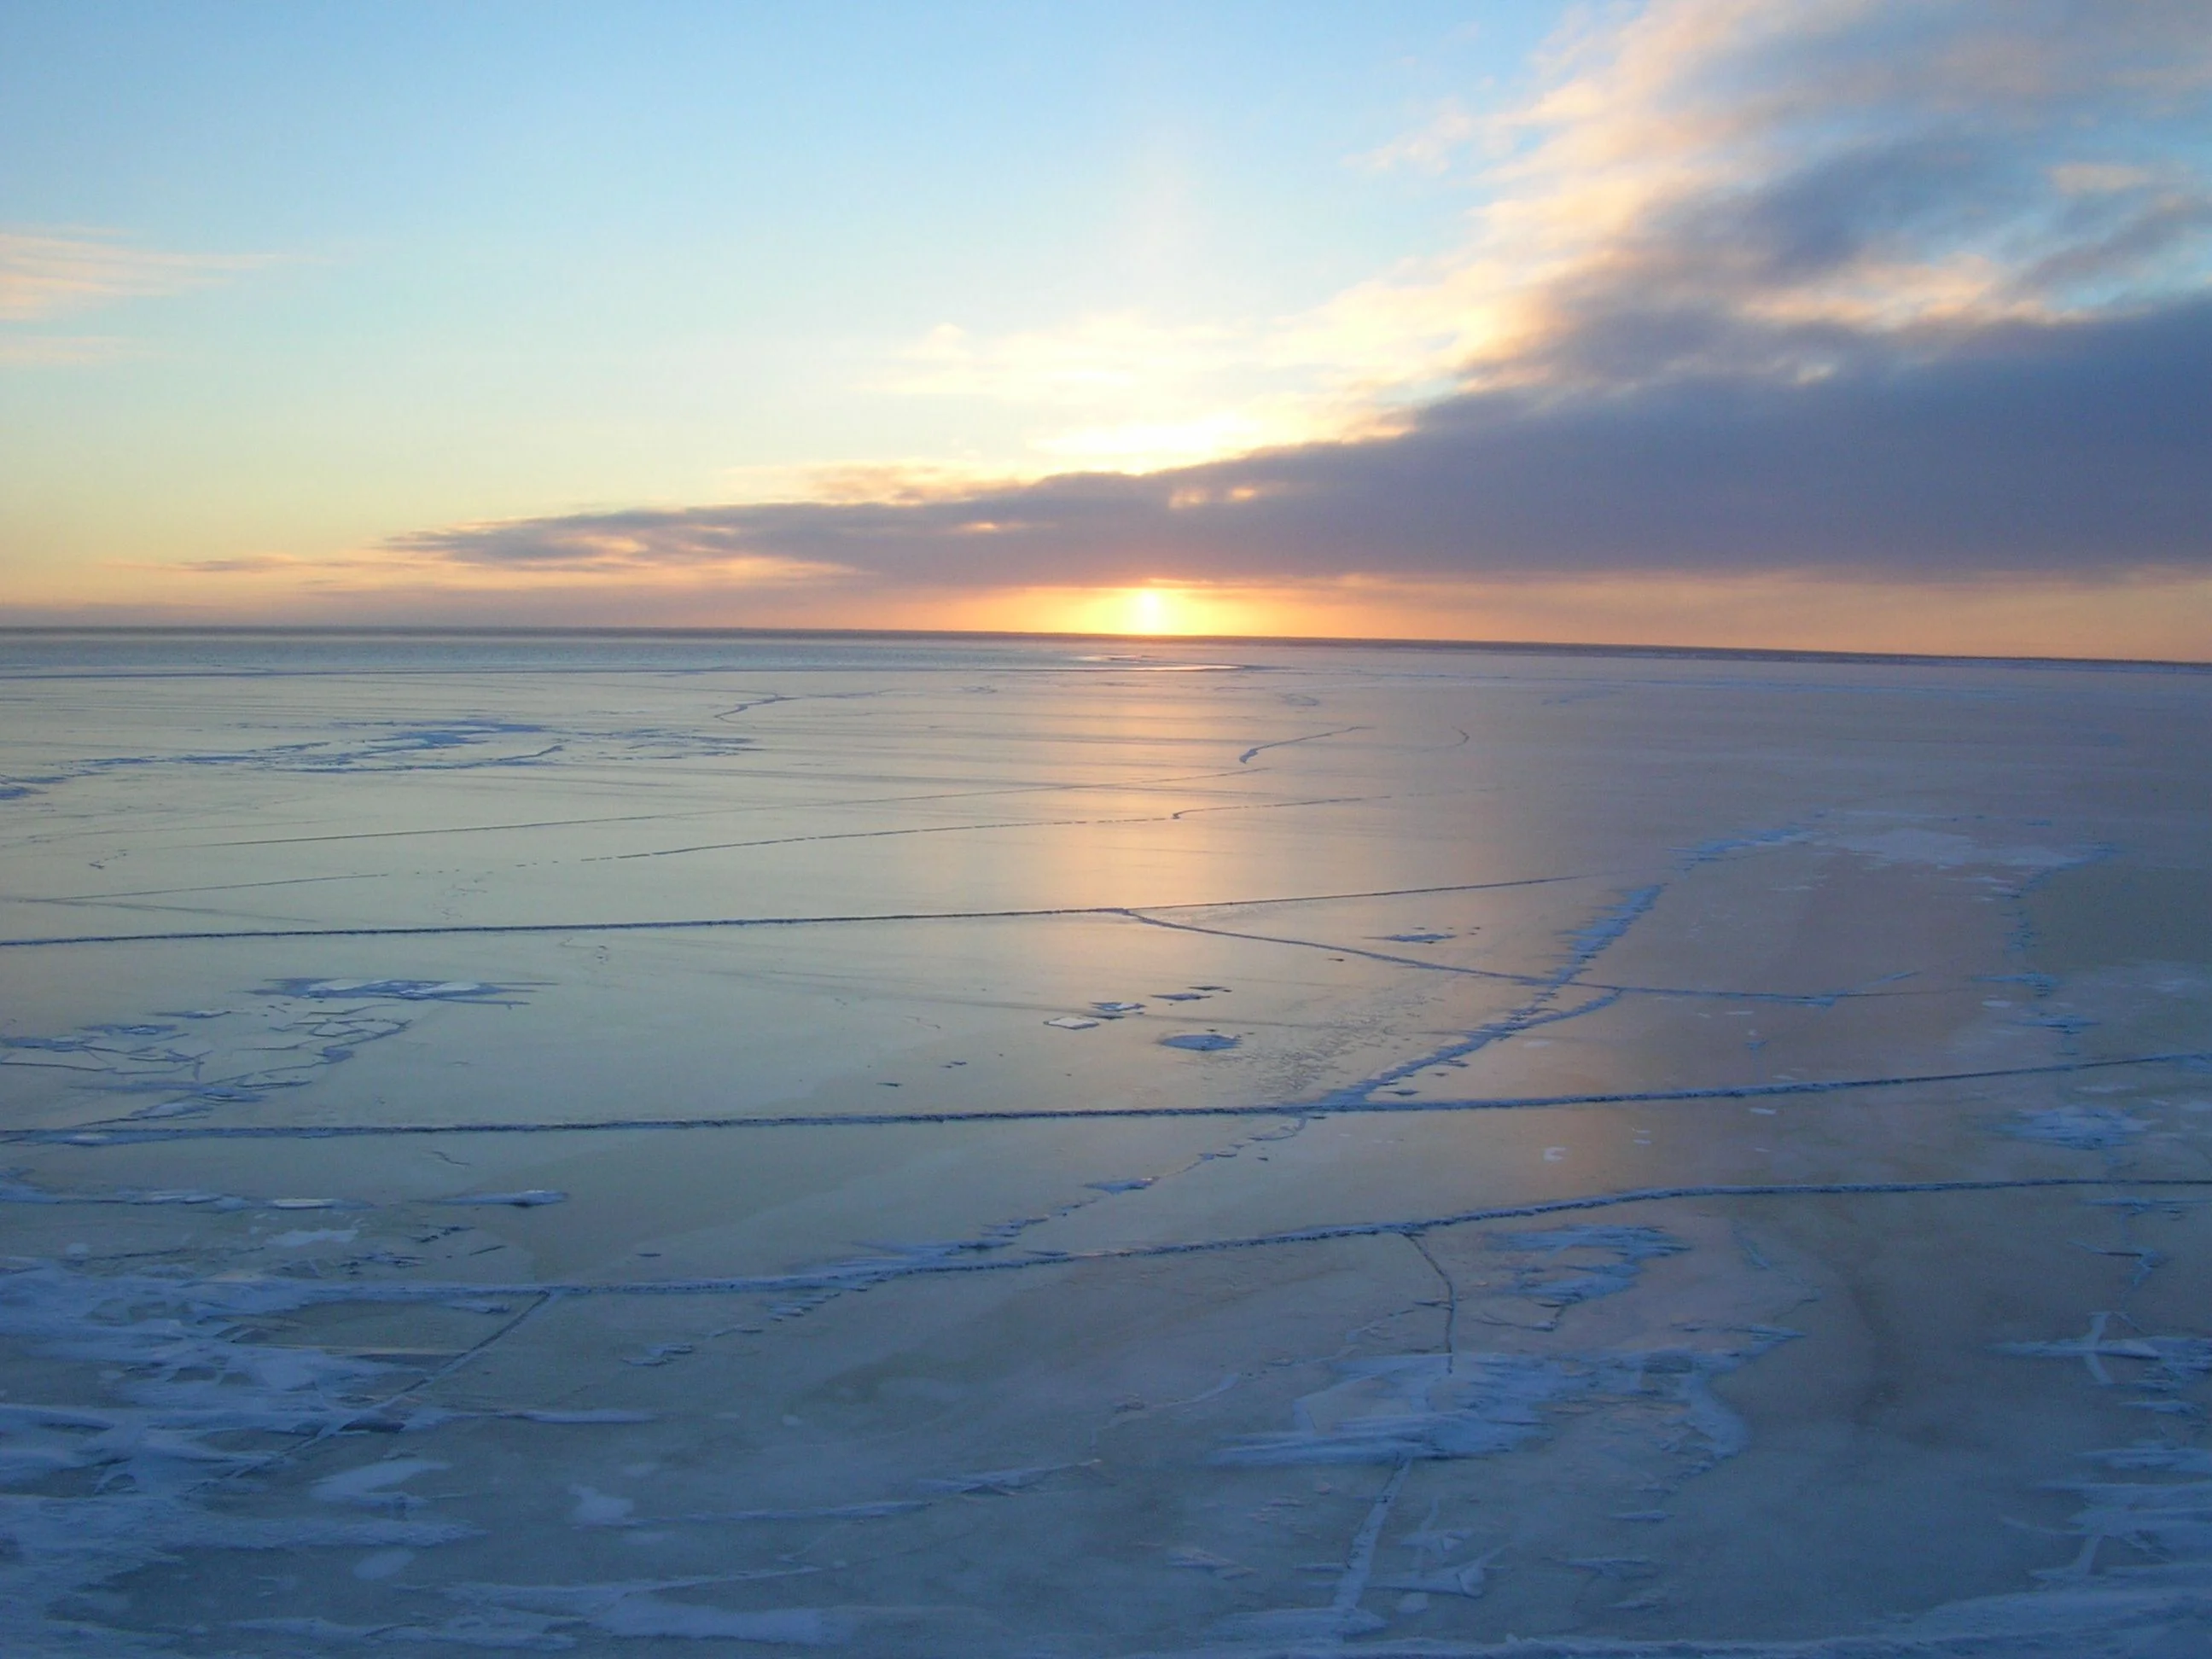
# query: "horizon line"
{"type": "Point", "coordinates": [1516, 647]}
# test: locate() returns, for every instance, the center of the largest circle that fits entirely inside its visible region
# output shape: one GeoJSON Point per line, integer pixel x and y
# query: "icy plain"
{"type": "Point", "coordinates": [644, 1146]}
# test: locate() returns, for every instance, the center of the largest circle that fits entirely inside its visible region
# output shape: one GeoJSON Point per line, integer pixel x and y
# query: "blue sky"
{"type": "Point", "coordinates": [511, 258]}
{"type": "Point", "coordinates": [1489, 317]}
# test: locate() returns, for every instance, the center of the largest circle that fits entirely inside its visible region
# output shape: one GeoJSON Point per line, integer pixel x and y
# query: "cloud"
{"type": "Point", "coordinates": [249, 564]}
{"type": "Point", "coordinates": [1916, 289]}
{"type": "Point", "coordinates": [48, 273]}
{"type": "Point", "coordinates": [1735, 184]}
{"type": "Point", "coordinates": [1700, 184]}
{"type": "Point", "coordinates": [616, 545]}
{"type": "Point", "coordinates": [1431, 147]}
{"type": "Point", "coordinates": [666, 558]}
{"type": "Point", "coordinates": [2067, 447]}
{"type": "Point", "coordinates": [1146, 394]}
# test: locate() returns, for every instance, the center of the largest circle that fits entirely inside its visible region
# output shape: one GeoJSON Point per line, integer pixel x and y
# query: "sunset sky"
{"type": "Point", "coordinates": [1879, 324]}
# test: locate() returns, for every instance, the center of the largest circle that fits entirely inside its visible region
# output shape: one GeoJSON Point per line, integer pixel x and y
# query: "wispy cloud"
{"type": "Point", "coordinates": [47, 273]}
{"type": "Point", "coordinates": [618, 544]}
{"type": "Point", "coordinates": [1434, 146]}
{"type": "Point", "coordinates": [635, 553]}
{"type": "Point", "coordinates": [61, 350]}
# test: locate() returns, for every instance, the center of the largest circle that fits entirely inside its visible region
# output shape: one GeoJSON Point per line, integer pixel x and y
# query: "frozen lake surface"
{"type": "Point", "coordinates": [941, 1148]}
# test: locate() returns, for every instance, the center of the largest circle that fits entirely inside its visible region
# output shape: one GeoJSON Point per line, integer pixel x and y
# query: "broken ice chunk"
{"type": "Point", "coordinates": [1115, 1009]}
{"type": "Point", "coordinates": [1072, 1023]}
{"type": "Point", "coordinates": [366, 1485]}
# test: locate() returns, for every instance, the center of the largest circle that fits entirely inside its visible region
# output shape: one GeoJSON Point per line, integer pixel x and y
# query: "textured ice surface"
{"type": "Point", "coordinates": [2085, 1128]}
{"type": "Point", "coordinates": [632, 1146]}
{"type": "Point", "coordinates": [1412, 1407]}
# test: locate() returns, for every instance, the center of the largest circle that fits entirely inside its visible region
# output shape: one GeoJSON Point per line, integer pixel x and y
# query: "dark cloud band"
{"type": "Point", "coordinates": [2066, 449]}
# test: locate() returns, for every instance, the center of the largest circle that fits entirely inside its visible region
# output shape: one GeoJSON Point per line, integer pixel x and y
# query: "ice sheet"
{"type": "Point", "coordinates": [909, 1148]}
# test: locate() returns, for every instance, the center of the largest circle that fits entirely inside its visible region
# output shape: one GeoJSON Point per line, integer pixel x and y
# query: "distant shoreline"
{"type": "Point", "coordinates": [1499, 647]}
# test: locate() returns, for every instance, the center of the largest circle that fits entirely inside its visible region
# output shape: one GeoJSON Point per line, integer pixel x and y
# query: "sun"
{"type": "Point", "coordinates": [1154, 610]}
{"type": "Point", "coordinates": [1151, 611]}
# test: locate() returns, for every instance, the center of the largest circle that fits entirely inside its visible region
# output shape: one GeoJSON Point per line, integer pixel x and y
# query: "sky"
{"type": "Point", "coordinates": [1872, 324]}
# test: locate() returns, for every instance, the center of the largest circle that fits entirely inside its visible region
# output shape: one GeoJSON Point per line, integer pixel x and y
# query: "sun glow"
{"type": "Point", "coordinates": [1150, 610]}
{"type": "Point", "coordinates": [1154, 610]}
